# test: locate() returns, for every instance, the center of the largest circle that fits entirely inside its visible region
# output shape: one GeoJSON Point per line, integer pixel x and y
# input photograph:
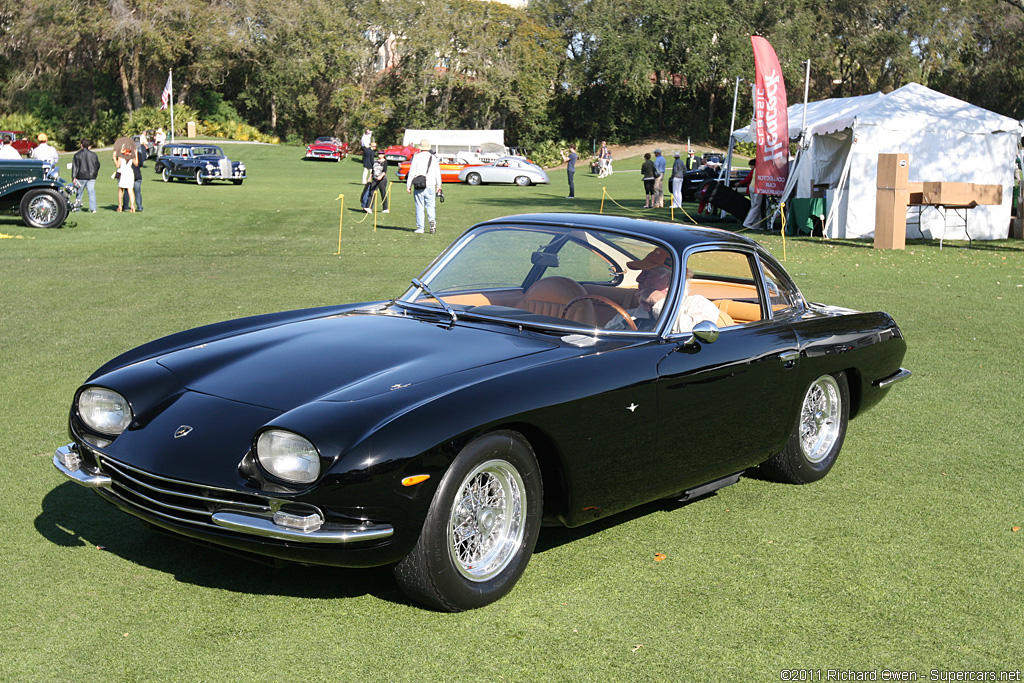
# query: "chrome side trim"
{"type": "Point", "coordinates": [337, 533]}
{"type": "Point", "coordinates": [81, 475]}
{"type": "Point", "coordinates": [892, 379]}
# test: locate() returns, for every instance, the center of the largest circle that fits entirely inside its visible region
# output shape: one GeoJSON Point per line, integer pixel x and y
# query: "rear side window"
{"type": "Point", "coordinates": [781, 297]}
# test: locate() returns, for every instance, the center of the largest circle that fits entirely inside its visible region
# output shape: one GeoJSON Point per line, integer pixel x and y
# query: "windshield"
{"type": "Point", "coordinates": [586, 280]}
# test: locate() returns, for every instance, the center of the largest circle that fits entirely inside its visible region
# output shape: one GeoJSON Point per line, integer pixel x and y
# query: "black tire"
{"type": "Point", "coordinates": [473, 179]}
{"type": "Point", "coordinates": [818, 434]}
{"type": "Point", "coordinates": [199, 177]}
{"type": "Point", "coordinates": [237, 182]}
{"type": "Point", "coordinates": [43, 208]}
{"type": "Point", "coordinates": [165, 173]}
{"type": "Point", "coordinates": [522, 181]}
{"type": "Point", "coordinates": [449, 568]}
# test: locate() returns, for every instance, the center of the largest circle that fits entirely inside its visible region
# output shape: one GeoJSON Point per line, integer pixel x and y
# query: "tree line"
{"type": "Point", "coordinates": [552, 70]}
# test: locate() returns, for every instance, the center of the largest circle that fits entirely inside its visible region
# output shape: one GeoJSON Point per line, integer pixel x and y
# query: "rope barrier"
{"type": "Point", "coordinates": [604, 193]}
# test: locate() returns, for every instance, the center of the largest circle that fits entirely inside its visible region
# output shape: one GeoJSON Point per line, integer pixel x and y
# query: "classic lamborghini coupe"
{"type": "Point", "coordinates": [544, 369]}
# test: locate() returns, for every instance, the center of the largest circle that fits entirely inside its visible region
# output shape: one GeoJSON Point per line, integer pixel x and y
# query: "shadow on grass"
{"type": "Point", "coordinates": [73, 516]}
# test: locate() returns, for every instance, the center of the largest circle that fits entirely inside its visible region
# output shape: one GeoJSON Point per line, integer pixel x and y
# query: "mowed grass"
{"type": "Point", "coordinates": [904, 558]}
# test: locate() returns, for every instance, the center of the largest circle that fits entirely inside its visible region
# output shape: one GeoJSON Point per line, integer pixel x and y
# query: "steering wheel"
{"type": "Point", "coordinates": [604, 300]}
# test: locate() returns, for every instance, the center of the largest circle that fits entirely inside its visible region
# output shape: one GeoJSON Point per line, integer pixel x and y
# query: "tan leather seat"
{"type": "Point", "coordinates": [550, 295]}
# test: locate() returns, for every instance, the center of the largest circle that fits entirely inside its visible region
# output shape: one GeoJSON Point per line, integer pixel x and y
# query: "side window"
{"type": "Point", "coordinates": [583, 265]}
{"type": "Point", "coordinates": [726, 279]}
{"type": "Point", "coordinates": [781, 297]}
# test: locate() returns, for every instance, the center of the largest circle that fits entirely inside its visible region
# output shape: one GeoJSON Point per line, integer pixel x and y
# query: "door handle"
{"type": "Point", "coordinates": [789, 358]}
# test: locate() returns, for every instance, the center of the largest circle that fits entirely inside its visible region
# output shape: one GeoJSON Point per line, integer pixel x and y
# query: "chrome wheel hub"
{"type": "Point", "coordinates": [42, 209]}
{"type": "Point", "coordinates": [485, 527]}
{"type": "Point", "coordinates": [820, 419]}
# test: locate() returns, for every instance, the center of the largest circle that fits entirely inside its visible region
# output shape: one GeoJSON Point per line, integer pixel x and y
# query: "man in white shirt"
{"type": "Point", "coordinates": [7, 150]}
{"type": "Point", "coordinates": [652, 285]}
{"type": "Point", "coordinates": [45, 152]}
{"type": "Point", "coordinates": [424, 166]}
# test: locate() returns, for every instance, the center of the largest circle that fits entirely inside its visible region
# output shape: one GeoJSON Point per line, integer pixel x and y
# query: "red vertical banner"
{"type": "Point", "coordinates": [770, 120]}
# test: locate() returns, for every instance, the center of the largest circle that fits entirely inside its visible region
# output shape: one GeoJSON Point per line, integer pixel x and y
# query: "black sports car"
{"type": "Point", "coordinates": [199, 162]}
{"type": "Point", "coordinates": [550, 368]}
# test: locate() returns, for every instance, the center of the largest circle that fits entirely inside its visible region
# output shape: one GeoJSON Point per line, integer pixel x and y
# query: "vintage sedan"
{"type": "Point", "coordinates": [34, 189]}
{"type": "Point", "coordinates": [525, 378]}
{"type": "Point", "coordinates": [506, 169]}
{"type": "Point", "coordinates": [327, 147]}
{"type": "Point", "coordinates": [200, 162]}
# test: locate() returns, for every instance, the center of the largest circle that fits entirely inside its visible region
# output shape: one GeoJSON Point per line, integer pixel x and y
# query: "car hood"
{"type": "Point", "coordinates": [339, 358]}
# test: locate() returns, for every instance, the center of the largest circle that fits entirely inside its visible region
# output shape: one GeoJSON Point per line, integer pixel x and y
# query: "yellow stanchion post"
{"type": "Point", "coordinates": [604, 191]}
{"type": "Point", "coordinates": [341, 221]}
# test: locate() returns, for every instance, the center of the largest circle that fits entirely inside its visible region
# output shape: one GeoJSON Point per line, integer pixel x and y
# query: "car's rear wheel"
{"type": "Point", "coordinates": [818, 434]}
{"type": "Point", "coordinates": [43, 208]}
{"type": "Point", "coordinates": [522, 181]}
{"type": "Point", "coordinates": [199, 177]}
{"type": "Point", "coordinates": [473, 178]}
{"type": "Point", "coordinates": [237, 182]}
{"type": "Point", "coordinates": [165, 173]}
{"type": "Point", "coordinates": [481, 527]}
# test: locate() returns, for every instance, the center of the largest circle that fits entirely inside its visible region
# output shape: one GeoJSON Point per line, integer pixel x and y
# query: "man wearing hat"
{"type": "Point", "coordinates": [425, 178]}
{"type": "Point", "coordinates": [659, 179]}
{"type": "Point", "coordinates": [45, 152]}
{"type": "Point", "coordinates": [652, 289]}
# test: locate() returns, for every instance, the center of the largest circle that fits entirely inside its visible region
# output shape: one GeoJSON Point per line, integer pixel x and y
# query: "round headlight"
{"type": "Point", "coordinates": [104, 411]}
{"type": "Point", "coordinates": [288, 456]}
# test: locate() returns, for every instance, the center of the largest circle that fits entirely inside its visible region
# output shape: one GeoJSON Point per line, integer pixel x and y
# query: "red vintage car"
{"type": "Point", "coordinates": [450, 169]}
{"type": "Point", "coordinates": [327, 147]}
{"type": "Point", "coordinates": [21, 143]}
{"type": "Point", "coordinates": [400, 153]}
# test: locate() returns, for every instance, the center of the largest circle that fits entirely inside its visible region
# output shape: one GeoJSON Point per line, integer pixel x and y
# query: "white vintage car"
{"type": "Point", "coordinates": [507, 169]}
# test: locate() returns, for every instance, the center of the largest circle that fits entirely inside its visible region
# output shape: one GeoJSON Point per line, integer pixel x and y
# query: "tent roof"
{"type": "Point", "coordinates": [912, 107]}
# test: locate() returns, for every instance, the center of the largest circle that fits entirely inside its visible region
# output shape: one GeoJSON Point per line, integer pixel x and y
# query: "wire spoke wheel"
{"type": "Point", "coordinates": [820, 418]}
{"type": "Point", "coordinates": [486, 524]}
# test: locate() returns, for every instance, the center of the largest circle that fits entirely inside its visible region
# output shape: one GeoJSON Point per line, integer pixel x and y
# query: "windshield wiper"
{"type": "Point", "coordinates": [448, 309]}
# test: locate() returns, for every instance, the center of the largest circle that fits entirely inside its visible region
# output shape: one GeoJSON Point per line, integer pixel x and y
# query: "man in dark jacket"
{"type": "Point", "coordinates": [85, 166]}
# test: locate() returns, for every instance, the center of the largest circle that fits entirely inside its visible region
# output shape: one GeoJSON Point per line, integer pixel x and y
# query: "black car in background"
{"type": "Point", "coordinates": [200, 162]}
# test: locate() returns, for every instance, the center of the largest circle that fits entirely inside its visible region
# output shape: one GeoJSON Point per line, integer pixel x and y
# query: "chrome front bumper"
{"type": "Point", "coordinates": [898, 376]}
{"type": "Point", "coordinates": [309, 528]}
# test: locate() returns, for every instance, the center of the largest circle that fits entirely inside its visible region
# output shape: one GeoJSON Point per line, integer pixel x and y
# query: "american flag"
{"type": "Point", "coordinates": [165, 97]}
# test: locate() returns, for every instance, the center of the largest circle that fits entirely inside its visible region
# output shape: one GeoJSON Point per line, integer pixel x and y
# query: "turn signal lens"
{"type": "Point", "coordinates": [418, 479]}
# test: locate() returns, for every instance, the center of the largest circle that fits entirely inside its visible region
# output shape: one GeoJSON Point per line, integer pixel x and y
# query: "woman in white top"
{"type": "Point", "coordinates": [125, 180]}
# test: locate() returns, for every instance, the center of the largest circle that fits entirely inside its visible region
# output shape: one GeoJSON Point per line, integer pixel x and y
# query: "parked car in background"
{"type": "Point", "coordinates": [399, 153]}
{"type": "Point", "coordinates": [506, 169]}
{"type": "Point", "coordinates": [693, 180]}
{"type": "Point", "coordinates": [200, 162]}
{"type": "Point", "coordinates": [327, 147]}
{"type": "Point", "coordinates": [450, 168]}
{"type": "Point", "coordinates": [23, 144]}
{"type": "Point", "coordinates": [34, 190]}
{"type": "Point", "coordinates": [510, 385]}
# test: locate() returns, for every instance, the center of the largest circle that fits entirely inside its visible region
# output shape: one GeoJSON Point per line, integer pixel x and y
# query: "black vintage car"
{"type": "Point", "coordinates": [33, 189]}
{"type": "Point", "coordinates": [547, 368]}
{"type": "Point", "coordinates": [202, 163]}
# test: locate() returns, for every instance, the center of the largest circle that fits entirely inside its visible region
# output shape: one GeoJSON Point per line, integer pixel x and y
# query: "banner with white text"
{"type": "Point", "coordinates": [770, 121]}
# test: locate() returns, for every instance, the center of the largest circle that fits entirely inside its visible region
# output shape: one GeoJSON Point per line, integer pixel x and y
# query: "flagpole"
{"type": "Point", "coordinates": [170, 80]}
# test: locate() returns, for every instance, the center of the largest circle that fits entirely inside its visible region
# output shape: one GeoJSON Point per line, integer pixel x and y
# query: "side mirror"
{"type": "Point", "coordinates": [704, 331]}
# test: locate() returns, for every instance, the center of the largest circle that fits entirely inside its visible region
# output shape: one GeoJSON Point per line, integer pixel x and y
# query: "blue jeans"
{"type": "Point", "coordinates": [89, 185]}
{"type": "Point", "coordinates": [425, 200]}
{"type": "Point", "coordinates": [137, 190]}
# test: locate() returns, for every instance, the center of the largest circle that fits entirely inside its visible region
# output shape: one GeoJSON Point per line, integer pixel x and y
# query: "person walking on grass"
{"type": "Point", "coordinates": [647, 173]}
{"type": "Point", "coordinates": [569, 156]}
{"type": "Point", "coordinates": [424, 181]}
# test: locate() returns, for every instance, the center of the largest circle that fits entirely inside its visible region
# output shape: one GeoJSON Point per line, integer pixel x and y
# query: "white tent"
{"type": "Point", "coordinates": [947, 140]}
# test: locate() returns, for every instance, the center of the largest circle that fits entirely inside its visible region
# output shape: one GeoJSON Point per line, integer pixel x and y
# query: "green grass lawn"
{"type": "Point", "coordinates": [903, 558]}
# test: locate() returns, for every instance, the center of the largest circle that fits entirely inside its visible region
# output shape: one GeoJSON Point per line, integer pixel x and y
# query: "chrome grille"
{"type": "Point", "coordinates": [176, 500]}
{"type": "Point", "coordinates": [225, 168]}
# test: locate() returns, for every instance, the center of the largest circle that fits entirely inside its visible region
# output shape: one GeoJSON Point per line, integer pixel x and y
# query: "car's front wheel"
{"type": "Point", "coordinates": [199, 177]}
{"type": "Point", "coordinates": [473, 178]}
{"type": "Point", "coordinates": [481, 527]}
{"type": "Point", "coordinates": [43, 209]}
{"type": "Point", "coordinates": [165, 174]}
{"type": "Point", "coordinates": [522, 181]}
{"type": "Point", "coordinates": [818, 434]}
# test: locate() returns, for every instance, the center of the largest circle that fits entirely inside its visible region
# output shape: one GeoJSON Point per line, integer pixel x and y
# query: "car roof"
{"type": "Point", "coordinates": [681, 237]}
